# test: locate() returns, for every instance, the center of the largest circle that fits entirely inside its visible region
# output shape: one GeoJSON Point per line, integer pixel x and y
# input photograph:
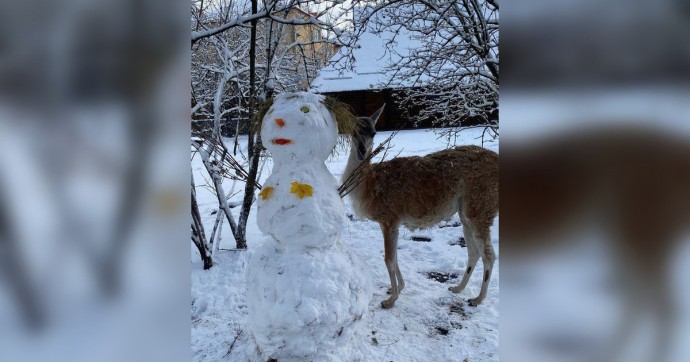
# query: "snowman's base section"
{"type": "Point", "coordinates": [305, 303]}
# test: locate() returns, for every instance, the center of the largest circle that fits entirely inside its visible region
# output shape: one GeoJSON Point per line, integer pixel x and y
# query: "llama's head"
{"type": "Point", "coordinates": [363, 137]}
{"type": "Point", "coordinates": [303, 126]}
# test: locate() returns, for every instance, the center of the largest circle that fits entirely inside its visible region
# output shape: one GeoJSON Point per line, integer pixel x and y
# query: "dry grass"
{"type": "Point", "coordinates": [347, 122]}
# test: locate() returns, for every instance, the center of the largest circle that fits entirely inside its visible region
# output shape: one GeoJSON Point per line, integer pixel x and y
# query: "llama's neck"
{"type": "Point", "coordinates": [352, 164]}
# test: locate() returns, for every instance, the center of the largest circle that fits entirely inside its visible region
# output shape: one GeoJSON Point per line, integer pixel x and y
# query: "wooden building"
{"type": "Point", "coordinates": [364, 102]}
{"type": "Point", "coordinates": [366, 86]}
{"type": "Point", "coordinates": [370, 82]}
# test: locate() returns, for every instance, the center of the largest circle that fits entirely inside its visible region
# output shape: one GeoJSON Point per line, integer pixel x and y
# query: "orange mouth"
{"type": "Point", "coordinates": [281, 141]}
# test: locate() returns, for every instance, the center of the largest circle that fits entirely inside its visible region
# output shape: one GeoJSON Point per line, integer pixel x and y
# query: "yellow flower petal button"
{"type": "Point", "coordinates": [301, 190]}
{"type": "Point", "coordinates": [266, 193]}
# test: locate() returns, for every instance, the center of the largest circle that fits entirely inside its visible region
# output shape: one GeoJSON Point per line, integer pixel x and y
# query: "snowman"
{"type": "Point", "coordinates": [306, 290]}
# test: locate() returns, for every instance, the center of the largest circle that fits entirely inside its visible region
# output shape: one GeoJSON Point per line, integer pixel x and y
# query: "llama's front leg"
{"type": "Point", "coordinates": [390, 242]}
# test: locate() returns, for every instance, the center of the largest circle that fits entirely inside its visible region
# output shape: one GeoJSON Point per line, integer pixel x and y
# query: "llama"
{"type": "Point", "coordinates": [419, 192]}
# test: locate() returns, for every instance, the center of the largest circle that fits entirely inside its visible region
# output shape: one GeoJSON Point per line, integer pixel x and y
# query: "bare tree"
{"type": "Point", "coordinates": [451, 73]}
{"type": "Point", "coordinates": [242, 52]}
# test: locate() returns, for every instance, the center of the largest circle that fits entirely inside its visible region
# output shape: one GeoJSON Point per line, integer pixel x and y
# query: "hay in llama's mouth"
{"type": "Point", "coordinates": [281, 141]}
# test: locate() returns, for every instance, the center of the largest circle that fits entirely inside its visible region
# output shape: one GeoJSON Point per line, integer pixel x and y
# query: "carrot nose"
{"type": "Point", "coordinates": [280, 122]}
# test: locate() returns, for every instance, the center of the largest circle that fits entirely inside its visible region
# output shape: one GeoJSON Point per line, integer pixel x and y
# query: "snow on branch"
{"type": "Point", "coordinates": [242, 20]}
{"type": "Point", "coordinates": [444, 55]}
{"type": "Point", "coordinates": [277, 14]}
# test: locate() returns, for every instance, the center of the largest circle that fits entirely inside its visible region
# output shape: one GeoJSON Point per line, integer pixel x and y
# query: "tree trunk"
{"type": "Point", "coordinates": [198, 235]}
{"type": "Point", "coordinates": [252, 78]}
{"type": "Point", "coordinates": [253, 148]}
{"type": "Point", "coordinates": [217, 228]}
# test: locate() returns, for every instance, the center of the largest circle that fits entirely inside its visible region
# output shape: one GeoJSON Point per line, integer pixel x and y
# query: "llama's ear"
{"type": "Point", "coordinates": [342, 114]}
{"type": "Point", "coordinates": [257, 118]}
{"type": "Point", "coordinates": [375, 117]}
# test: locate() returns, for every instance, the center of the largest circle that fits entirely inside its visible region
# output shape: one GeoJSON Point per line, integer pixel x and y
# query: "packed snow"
{"type": "Point", "coordinates": [428, 322]}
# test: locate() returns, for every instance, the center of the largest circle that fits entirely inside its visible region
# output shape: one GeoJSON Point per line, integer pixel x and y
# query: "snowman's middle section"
{"type": "Point", "coordinates": [299, 205]}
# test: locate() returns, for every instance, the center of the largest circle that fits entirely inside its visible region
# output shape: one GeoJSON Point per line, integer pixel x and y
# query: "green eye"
{"type": "Point", "coordinates": [304, 109]}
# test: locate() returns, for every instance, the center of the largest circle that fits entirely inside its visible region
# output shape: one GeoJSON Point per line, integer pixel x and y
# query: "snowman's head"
{"type": "Point", "coordinates": [299, 126]}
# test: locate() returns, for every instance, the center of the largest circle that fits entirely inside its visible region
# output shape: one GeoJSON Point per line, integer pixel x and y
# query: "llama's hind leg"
{"type": "Point", "coordinates": [488, 255]}
{"type": "Point", "coordinates": [390, 238]}
{"type": "Point", "coordinates": [399, 277]}
{"type": "Point", "coordinates": [398, 274]}
{"type": "Point", "coordinates": [472, 256]}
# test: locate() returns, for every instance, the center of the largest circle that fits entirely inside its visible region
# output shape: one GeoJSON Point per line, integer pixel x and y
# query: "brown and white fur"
{"type": "Point", "coordinates": [419, 192]}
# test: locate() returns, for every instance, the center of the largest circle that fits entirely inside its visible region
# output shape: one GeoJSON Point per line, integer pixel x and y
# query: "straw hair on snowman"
{"type": "Point", "coordinates": [342, 114]}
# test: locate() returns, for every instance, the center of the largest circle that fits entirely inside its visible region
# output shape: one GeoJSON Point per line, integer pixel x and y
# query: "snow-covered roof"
{"type": "Point", "coordinates": [371, 60]}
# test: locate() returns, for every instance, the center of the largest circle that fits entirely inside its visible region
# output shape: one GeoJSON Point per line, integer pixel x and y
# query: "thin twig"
{"type": "Point", "coordinates": [359, 174]}
{"type": "Point", "coordinates": [233, 343]}
{"type": "Point", "coordinates": [218, 151]}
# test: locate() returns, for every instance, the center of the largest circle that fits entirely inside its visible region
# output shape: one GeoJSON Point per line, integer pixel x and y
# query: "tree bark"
{"type": "Point", "coordinates": [198, 235]}
{"type": "Point", "coordinates": [252, 150]}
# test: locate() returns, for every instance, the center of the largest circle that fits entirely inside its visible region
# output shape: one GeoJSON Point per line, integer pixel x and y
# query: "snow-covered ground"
{"type": "Point", "coordinates": [428, 323]}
